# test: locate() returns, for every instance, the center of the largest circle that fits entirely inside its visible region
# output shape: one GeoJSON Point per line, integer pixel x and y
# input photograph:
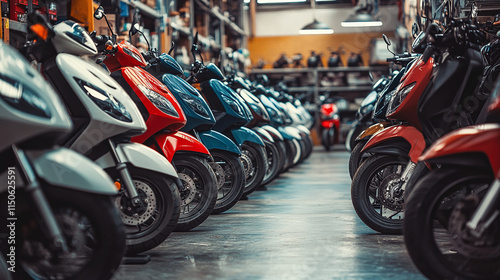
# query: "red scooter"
{"type": "Point", "coordinates": [452, 228]}
{"type": "Point", "coordinates": [164, 117]}
{"type": "Point", "coordinates": [330, 124]}
{"type": "Point", "coordinates": [427, 103]}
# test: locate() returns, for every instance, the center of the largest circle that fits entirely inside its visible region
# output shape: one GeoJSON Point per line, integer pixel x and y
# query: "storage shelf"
{"type": "Point", "coordinates": [145, 9]}
{"type": "Point", "coordinates": [331, 89]}
{"type": "Point", "coordinates": [215, 12]}
{"type": "Point", "coordinates": [311, 70]}
{"type": "Point", "coordinates": [18, 26]}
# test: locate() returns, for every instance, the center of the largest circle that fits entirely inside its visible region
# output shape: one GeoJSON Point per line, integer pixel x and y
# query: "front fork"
{"type": "Point", "coordinates": [124, 176]}
{"type": "Point", "coordinates": [40, 202]}
{"type": "Point", "coordinates": [410, 167]}
{"type": "Point", "coordinates": [486, 213]}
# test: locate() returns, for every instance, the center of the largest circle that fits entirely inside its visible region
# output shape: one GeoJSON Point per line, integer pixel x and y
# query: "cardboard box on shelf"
{"type": "Point", "coordinates": [5, 30]}
{"type": "Point", "coordinates": [150, 3]}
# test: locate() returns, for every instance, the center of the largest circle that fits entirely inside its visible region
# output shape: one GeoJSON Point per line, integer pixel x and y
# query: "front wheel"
{"type": "Point", "coordinates": [253, 157]}
{"type": "Point", "coordinates": [199, 193]}
{"type": "Point", "coordinates": [150, 224]}
{"type": "Point", "coordinates": [230, 179]}
{"type": "Point", "coordinates": [273, 161]}
{"type": "Point", "coordinates": [91, 226]}
{"type": "Point", "coordinates": [355, 158]}
{"type": "Point", "coordinates": [437, 240]}
{"type": "Point", "coordinates": [376, 194]}
{"type": "Point", "coordinates": [328, 138]}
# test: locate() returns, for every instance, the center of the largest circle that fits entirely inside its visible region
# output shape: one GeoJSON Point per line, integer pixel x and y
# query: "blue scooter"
{"type": "Point", "coordinates": [227, 165]}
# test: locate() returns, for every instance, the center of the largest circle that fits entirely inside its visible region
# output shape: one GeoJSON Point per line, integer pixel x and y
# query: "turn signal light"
{"type": "Point", "coordinates": [118, 185]}
{"type": "Point", "coordinates": [40, 30]}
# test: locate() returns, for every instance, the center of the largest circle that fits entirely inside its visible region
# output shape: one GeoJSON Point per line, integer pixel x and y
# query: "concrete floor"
{"type": "Point", "coordinates": [302, 227]}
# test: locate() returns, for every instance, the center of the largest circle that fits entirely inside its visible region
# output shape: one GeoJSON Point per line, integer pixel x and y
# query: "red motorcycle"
{"type": "Point", "coordinates": [452, 225]}
{"type": "Point", "coordinates": [164, 117]}
{"type": "Point", "coordinates": [330, 124]}
{"type": "Point", "coordinates": [430, 101]}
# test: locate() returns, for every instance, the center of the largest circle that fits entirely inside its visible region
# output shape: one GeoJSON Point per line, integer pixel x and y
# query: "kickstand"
{"type": "Point", "coordinates": [137, 259]}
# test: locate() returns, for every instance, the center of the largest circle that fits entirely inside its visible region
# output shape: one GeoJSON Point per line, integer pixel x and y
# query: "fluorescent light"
{"type": "Point", "coordinates": [316, 31]}
{"type": "Point", "coordinates": [361, 23]}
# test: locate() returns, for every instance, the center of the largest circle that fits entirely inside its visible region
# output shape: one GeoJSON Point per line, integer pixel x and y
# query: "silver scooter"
{"type": "Point", "coordinates": [57, 204]}
{"type": "Point", "coordinates": [105, 119]}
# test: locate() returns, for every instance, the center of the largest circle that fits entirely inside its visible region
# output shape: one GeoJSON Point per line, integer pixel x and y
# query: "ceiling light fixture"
{"type": "Point", "coordinates": [315, 27]}
{"type": "Point", "coordinates": [363, 16]}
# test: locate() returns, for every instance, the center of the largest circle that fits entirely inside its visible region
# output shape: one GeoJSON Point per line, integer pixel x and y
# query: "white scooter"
{"type": "Point", "coordinates": [105, 119]}
{"type": "Point", "coordinates": [58, 217]}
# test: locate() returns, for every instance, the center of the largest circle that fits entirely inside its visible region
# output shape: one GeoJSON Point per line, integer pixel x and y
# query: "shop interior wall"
{"type": "Point", "coordinates": [269, 49]}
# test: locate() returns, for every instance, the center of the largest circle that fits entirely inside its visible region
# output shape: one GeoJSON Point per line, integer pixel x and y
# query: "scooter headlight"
{"type": "Point", "coordinates": [160, 102]}
{"type": "Point", "coordinates": [195, 104]}
{"type": "Point", "coordinates": [233, 104]}
{"type": "Point", "coordinates": [106, 101]}
{"type": "Point", "coordinates": [133, 54]}
{"type": "Point", "coordinates": [22, 98]}
{"type": "Point", "coordinates": [398, 98]}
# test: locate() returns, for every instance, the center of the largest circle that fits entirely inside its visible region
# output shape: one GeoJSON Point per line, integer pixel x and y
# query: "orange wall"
{"type": "Point", "coordinates": [270, 48]}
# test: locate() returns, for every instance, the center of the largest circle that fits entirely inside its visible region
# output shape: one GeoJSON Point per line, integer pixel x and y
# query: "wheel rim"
{"type": "Point", "coordinates": [382, 197]}
{"type": "Point", "coordinates": [140, 222]}
{"type": "Point", "coordinates": [77, 230]}
{"type": "Point", "coordinates": [220, 174]}
{"type": "Point", "coordinates": [252, 166]}
{"type": "Point", "coordinates": [272, 163]}
{"type": "Point", "coordinates": [455, 247]}
{"type": "Point", "coordinates": [228, 180]}
{"type": "Point", "coordinates": [195, 192]}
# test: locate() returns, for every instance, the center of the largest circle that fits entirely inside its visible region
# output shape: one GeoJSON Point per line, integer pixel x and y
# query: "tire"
{"type": "Point", "coordinates": [157, 221]}
{"type": "Point", "coordinates": [92, 228]}
{"type": "Point", "coordinates": [291, 151]}
{"type": "Point", "coordinates": [298, 154]}
{"type": "Point", "coordinates": [233, 180]}
{"type": "Point", "coordinates": [273, 160]}
{"type": "Point", "coordinates": [355, 159]}
{"type": "Point", "coordinates": [353, 134]}
{"type": "Point", "coordinates": [309, 145]}
{"type": "Point", "coordinates": [282, 154]}
{"type": "Point", "coordinates": [327, 138]}
{"type": "Point", "coordinates": [448, 196]}
{"type": "Point", "coordinates": [254, 163]}
{"type": "Point", "coordinates": [200, 194]}
{"type": "Point", "coordinates": [371, 177]}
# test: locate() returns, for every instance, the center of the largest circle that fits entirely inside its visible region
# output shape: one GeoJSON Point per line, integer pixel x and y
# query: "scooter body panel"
{"type": "Point", "coordinates": [263, 134]}
{"type": "Point", "coordinates": [482, 139]}
{"type": "Point", "coordinates": [171, 143]}
{"type": "Point", "coordinates": [66, 168]}
{"type": "Point", "coordinates": [196, 109]}
{"type": "Point", "coordinates": [244, 134]}
{"type": "Point", "coordinates": [420, 74]}
{"type": "Point", "coordinates": [140, 156]}
{"type": "Point", "coordinates": [289, 133]}
{"type": "Point", "coordinates": [273, 132]}
{"type": "Point", "coordinates": [82, 86]}
{"type": "Point", "coordinates": [373, 129]}
{"type": "Point", "coordinates": [215, 140]}
{"type": "Point", "coordinates": [399, 132]}
{"type": "Point", "coordinates": [147, 88]}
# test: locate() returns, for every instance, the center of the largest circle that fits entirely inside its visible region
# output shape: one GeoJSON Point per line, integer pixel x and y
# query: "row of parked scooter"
{"type": "Point", "coordinates": [105, 162]}
{"type": "Point", "coordinates": [428, 164]}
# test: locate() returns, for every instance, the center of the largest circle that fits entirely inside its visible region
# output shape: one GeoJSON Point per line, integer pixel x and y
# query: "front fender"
{"type": "Point", "coordinates": [171, 143]}
{"type": "Point", "coordinates": [482, 139]}
{"type": "Point", "coordinates": [140, 156]}
{"type": "Point", "coordinates": [263, 134]}
{"type": "Point", "coordinates": [273, 131]}
{"type": "Point", "coordinates": [289, 133]}
{"type": "Point", "coordinates": [215, 140]}
{"type": "Point", "coordinates": [407, 133]}
{"type": "Point", "coordinates": [370, 131]}
{"type": "Point", "coordinates": [243, 134]}
{"type": "Point", "coordinates": [66, 168]}
{"type": "Point", "coordinates": [304, 129]}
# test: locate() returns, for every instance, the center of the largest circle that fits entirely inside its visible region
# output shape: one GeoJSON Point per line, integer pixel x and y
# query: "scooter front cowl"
{"type": "Point", "coordinates": [244, 134]}
{"type": "Point", "coordinates": [172, 143]}
{"type": "Point", "coordinates": [215, 140]}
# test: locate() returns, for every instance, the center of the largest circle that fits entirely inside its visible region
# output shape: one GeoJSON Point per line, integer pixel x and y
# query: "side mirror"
{"type": "Point", "coordinates": [386, 39]}
{"type": "Point", "coordinates": [134, 29]}
{"type": "Point", "coordinates": [414, 30]}
{"type": "Point", "coordinates": [370, 74]}
{"type": "Point", "coordinates": [99, 13]}
{"type": "Point", "coordinates": [172, 47]}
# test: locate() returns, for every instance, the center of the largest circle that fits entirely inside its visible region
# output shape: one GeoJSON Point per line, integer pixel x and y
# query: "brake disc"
{"type": "Point", "coordinates": [392, 196]}
{"type": "Point", "coordinates": [219, 174]}
{"type": "Point", "coordinates": [483, 247]}
{"type": "Point", "coordinates": [189, 193]}
{"type": "Point", "coordinates": [247, 163]}
{"type": "Point", "coordinates": [133, 217]}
